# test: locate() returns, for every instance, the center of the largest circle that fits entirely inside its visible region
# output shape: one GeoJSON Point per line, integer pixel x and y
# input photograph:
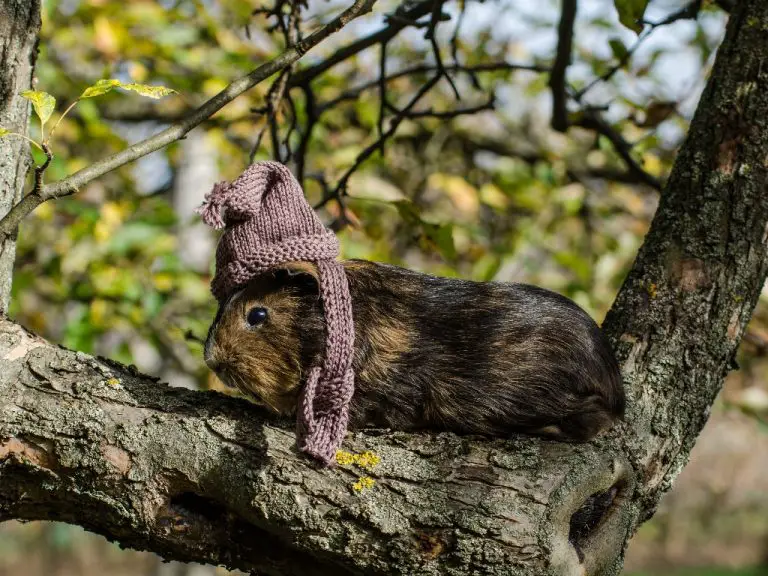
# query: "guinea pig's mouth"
{"type": "Point", "coordinates": [227, 378]}
{"type": "Point", "coordinates": [234, 381]}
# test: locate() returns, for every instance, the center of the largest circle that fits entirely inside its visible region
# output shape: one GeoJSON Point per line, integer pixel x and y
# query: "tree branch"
{"type": "Point", "coordinates": [341, 186]}
{"type": "Point", "coordinates": [682, 311]}
{"type": "Point", "coordinates": [557, 80]}
{"type": "Point", "coordinates": [401, 19]}
{"type": "Point", "coordinates": [592, 120]}
{"type": "Point", "coordinates": [200, 477]}
{"type": "Point", "coordinates": [70, 184]}
{"type": "Point", "coordinates": [354, 93]}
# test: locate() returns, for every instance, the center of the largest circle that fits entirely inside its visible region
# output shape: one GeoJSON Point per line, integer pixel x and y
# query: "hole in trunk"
{"type": "Point", "coordinates": [590, 515]}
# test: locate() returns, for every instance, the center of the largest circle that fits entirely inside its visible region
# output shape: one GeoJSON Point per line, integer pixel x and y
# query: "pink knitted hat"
{"type": "Point", "coordinates": [268, 222]}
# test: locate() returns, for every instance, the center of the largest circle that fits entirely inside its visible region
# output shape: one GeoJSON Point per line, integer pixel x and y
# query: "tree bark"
{"type": "Point", "coordinates": [197, 476]}
{"type": "Point", "coordinates": [19, 27]}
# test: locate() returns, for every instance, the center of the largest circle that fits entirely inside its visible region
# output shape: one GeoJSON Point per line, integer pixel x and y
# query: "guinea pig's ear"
{"type": "Point", "coordinates": [303, 275]}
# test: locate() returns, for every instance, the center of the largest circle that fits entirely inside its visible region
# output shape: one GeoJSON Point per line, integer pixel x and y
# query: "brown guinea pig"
{"type": "Point", "coordinates": [430, 353]}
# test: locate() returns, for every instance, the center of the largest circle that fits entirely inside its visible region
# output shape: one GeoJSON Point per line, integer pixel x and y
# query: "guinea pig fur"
{"type": "Point", "coordinates": [430, 353]}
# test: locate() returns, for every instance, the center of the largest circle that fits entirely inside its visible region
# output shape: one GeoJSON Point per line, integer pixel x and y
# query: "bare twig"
{"type": "Point", "coordinates": [591, 120]}
{"type": "Point", "coordinates": [557, 80]}
{"type": "Point", "coordinates": [457, 31]}
{"type": "Point", "coordinates": [687, 12]}
{"type": "Point", "coordinates": [70, 184]}
{"type": "Point", "coordinates": [432, 36]}
{"type": "Point", "coordinates": [426, 68]}
{"type": "Point", "coordinates": [291, 127]}
{"type": "Point", "coordinates": [367, 152]}
{"type": "Point", "coordinates": [312, 117]}
{"type": "Point", "coordinates": [382, 83]}
{"type": "Point", "coordinates": [274, 98]}
{"type": "Point", "coordinates": [40, 170]}
{"type": "Point", "coordinates": [401, 19]}
{"type": "Point", "coordinates": [448, 114]}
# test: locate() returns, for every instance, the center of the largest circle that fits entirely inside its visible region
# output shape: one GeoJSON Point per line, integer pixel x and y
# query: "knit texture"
{"type": "Point", "coordinates": [268, 222]}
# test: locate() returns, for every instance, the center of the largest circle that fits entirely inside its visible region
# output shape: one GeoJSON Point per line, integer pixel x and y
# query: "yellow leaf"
{"type": "Point", "coordinates": [137, 71]}
{"type": "Point", "coordinates": [105, 39]}
{"type": "Point", "coordinates": [108, 84]}
{"type": "Point", "coordinates": [3, 131]}
{"type": "Point", "coordinates": [491, 195]}
{"type": "Point", "coordinates": [44, 212]}
{"type": "Point", "coordinates": [149, 91]}
{"type": "Point", "coordinates": [652, 164]}
{"type": "Point", "coordinates": [163, 282]}
{"type": "Point", "coordinates": [101, 87]}
{"type": "Point", "coordinates": [42, 102]}
{"type": "Point", "coordinates": [98, 312]}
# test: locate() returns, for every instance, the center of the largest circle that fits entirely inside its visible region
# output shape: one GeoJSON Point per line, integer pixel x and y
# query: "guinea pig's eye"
{"type": "Point", "coordinates": [256, 316]}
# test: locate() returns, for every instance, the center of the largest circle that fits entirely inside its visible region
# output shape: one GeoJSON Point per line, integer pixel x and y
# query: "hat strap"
{"type": "Point", "coordinates": [324, 404]}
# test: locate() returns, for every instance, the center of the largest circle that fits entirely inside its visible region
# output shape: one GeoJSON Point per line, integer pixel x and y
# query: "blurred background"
{"type": "Point", "coordinates": [480, 187]}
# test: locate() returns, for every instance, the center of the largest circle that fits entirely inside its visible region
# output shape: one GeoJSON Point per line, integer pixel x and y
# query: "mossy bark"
{"type": "Point", "coordinates": [197, 476]}
{"type": "Point", "coordinates": [19, 27]}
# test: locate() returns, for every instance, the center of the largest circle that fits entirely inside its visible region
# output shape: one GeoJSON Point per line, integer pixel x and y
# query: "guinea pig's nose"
{"type": "Point", "coordinates": [212, 360]}
{"type": "Point", "coordinates": [208, 356]}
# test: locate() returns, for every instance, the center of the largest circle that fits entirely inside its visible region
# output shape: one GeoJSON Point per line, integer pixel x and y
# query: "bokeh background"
{"type": "Point", "coordinates": [122, 269]}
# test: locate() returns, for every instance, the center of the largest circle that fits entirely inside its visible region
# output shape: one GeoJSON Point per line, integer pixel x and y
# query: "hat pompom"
{"type": "Point", "coordinates": [240, 200]}
{"type": "Point", "coordinates": [211, 209]}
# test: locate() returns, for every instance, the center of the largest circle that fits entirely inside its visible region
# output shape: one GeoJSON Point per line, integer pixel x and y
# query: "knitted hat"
{"type": "Point", "coordinates": [268, 222]}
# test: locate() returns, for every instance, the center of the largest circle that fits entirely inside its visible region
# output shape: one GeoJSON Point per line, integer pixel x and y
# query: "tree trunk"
{"type": "Point", "coordinates": [19, 27]}
{"type": "Point", "coordinates": [196, 476]}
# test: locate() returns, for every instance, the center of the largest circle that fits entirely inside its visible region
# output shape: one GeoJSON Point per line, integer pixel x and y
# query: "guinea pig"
{"type": "Point", "coordinates": [432, 353]}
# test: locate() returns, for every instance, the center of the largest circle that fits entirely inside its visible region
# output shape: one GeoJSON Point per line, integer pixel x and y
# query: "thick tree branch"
{"type": "Point", "coordinates": [199, 477]}
{"type": "Point", "coordinates": [70, 184]}
{"type": "Point", "coordinates": [681, 313]}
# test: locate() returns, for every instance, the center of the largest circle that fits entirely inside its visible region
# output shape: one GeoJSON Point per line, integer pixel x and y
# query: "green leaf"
{"type": "Point", "coordinates": [437, 236]}
{"type": "Point", "coordinates": [4, 131]}
{"type": "Point", "coordinates": [619, 50]}
{"type": "Point", "coordinates": [631, 13]}
{"type": "Point", "coordinates": [108, 84]}
{"type": "Point", "coordinates": [442, 236]}
{"type": "Point", "coordinates": [409, 212]}
{"type": "Point", "coordinates": [149, 91]}
{"type": "Point", "coordinates": [101, 87]}
{"type": "Point", "coordinates": [42, 102]}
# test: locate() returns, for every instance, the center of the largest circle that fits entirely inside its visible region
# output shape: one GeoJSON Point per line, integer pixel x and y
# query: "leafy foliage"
{"type": "Point", "coordinates": [42, 102]}
{"type": "Point", "coordinates": [107, 85]}
{"type": "Point", "coordinates": [631, 13]}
